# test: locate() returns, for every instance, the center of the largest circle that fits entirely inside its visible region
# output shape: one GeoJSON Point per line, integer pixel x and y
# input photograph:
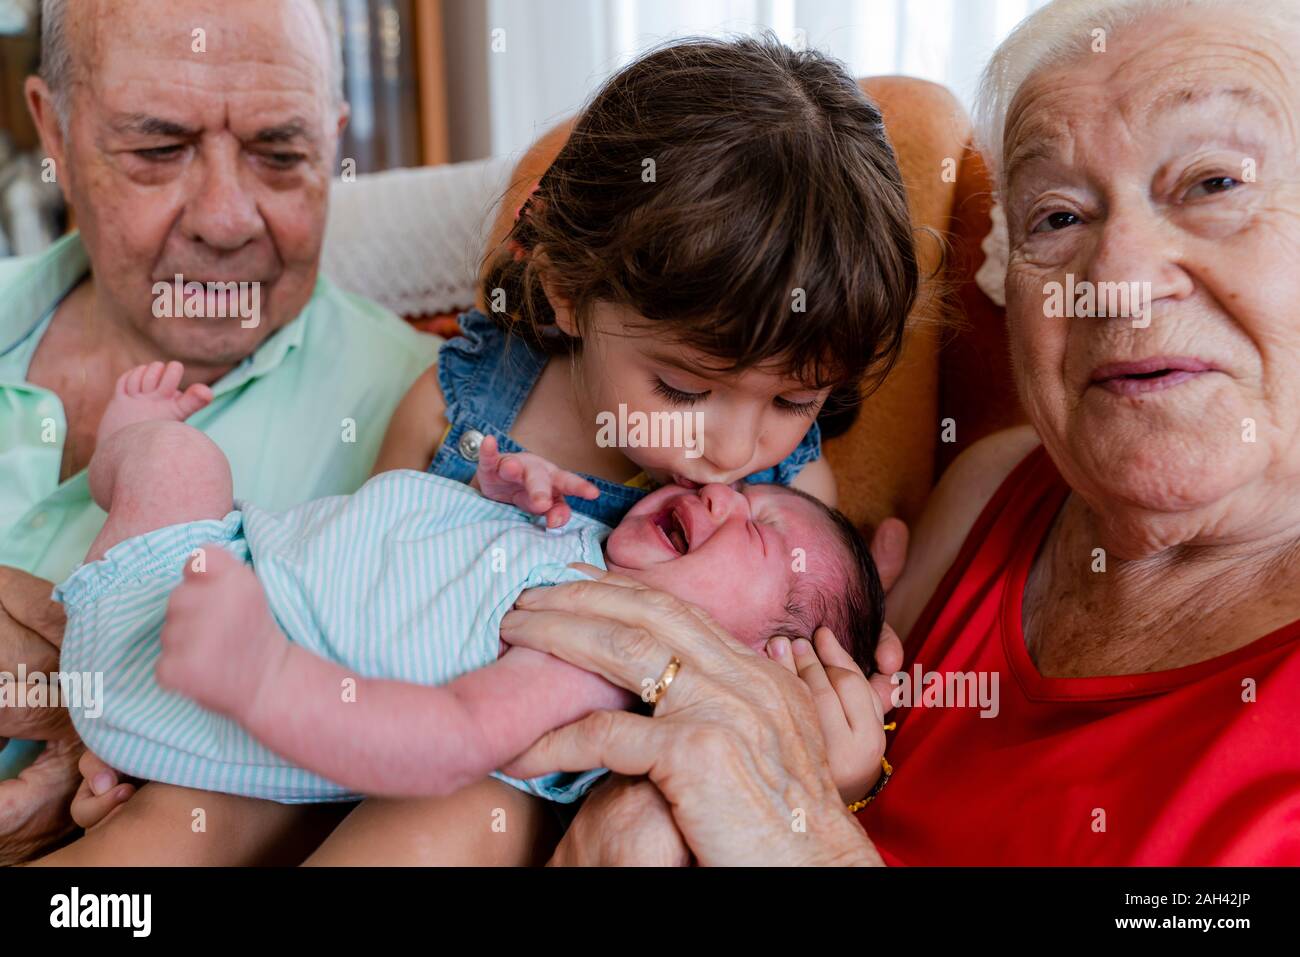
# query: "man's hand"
{"type": "Point", "coordinates": [624, 822]}
{"type": "Point", "coordinates": [529, 482]}
{"type": "Point", "coordinates": [34, 806]}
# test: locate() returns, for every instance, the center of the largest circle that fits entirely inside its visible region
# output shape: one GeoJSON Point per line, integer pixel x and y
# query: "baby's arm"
{"type": "Point", "coordinates": [373, 736]}
{"type": "Point", "coordinates": [397, 739]}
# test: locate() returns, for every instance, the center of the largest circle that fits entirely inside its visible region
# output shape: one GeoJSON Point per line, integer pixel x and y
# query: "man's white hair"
{"type": "Point", "coordinates": [56, 53]}
{"type": "Point", "coordinates": [1061, 31]}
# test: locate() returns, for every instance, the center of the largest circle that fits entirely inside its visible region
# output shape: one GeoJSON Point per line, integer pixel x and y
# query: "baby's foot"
{"type": "Point", "coordinates": [220, 642]}
{"type": "Point", "coordinates": [151, 394]}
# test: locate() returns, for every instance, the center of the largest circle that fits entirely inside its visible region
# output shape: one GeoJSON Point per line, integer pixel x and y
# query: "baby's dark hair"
{"type": "Point", "coordinates": [856, 614]}
{"type": "Point", "coordinates": [739, 195]}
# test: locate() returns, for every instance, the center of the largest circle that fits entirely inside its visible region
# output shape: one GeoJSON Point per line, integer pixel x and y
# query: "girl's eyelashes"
{"type": "Point", "coordinates": [677, 396]}
{"type": "Point", "coordinates": [807, 408]}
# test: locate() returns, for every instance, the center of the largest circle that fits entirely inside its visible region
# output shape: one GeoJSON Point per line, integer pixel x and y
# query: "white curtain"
{"type": "Point", "coordinates": [547, 56]}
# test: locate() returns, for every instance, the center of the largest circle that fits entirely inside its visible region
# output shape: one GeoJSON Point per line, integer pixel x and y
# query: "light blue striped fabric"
{"type": "Point", "coordinates": [407, 579]}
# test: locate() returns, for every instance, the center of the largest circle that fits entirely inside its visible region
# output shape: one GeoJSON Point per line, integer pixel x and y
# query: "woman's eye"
{"type": "Point", "coordinates": [160, 154]}
{"type": "Point", "coordinates": [1054, 222]}
{"type": "Point", "coordinates": [677, 396]}
{"type": "Point", "coordinates": [797, 408]}
{"type": "Point", "coordinates": [1215, 184]}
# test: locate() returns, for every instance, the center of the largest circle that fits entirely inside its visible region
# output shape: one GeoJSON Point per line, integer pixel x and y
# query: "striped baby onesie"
{"type": "Point", "coordinates": [407, 579]}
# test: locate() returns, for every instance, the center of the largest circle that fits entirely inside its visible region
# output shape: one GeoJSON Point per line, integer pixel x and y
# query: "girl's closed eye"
{"type": "Point", "coordinates": [680, 397]}
{"type": "Point", "coordinates": [807, 407]}
{"type": "Point", "coordinates": [677, 396]}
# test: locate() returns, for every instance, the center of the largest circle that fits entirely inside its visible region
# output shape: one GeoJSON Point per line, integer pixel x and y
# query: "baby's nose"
{"type": "Point", "coordinates": [722, 500]}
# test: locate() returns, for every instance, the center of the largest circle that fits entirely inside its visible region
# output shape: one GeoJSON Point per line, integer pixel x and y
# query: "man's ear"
{"type": "Point", "coordinates": [345, 114]}
{"type": "Point", "coordinates": [40, 103]}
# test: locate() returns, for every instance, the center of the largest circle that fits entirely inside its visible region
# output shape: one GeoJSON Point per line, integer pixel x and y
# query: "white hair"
{"type": "Point", "coordinates": [1061, 31]}
{"type": "Point", "coordinates": [56, 52]}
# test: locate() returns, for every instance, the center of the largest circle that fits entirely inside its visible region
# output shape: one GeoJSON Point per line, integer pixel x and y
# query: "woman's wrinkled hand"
{"type": "Point", "coordinates": [734, 746]}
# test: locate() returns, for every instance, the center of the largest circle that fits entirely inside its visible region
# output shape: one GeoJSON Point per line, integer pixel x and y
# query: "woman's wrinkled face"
{"type": "Point", "coordinates": [1170, 160]}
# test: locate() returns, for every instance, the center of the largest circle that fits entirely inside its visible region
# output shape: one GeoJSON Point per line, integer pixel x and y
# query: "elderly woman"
{"type": "Point", "coordinates": [1125, 577]}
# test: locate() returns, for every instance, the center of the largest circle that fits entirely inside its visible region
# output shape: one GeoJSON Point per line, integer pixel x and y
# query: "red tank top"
{"type": "Point", "coordinates": [1170, 767]}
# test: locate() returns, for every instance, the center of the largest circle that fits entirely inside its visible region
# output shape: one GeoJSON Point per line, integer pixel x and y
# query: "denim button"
{"type": "Point", "coordinates": [470, 440]}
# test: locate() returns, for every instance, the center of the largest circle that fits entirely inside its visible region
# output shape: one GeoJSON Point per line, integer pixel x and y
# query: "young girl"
{"type": "Point", "coordinates": [725, 236]}
{"type": "Point", "coordinates": [725, 233]}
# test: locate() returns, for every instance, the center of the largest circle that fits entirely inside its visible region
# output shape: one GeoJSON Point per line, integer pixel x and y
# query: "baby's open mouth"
{"type": "Point", "coordinates": [674, 532]}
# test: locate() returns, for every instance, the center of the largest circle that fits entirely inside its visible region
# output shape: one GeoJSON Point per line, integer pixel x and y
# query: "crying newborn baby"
{"type": "Point", "coordinates": [359, 636]}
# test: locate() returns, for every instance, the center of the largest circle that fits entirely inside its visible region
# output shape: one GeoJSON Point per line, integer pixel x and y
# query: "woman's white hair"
{"type": "Point", "coordinates": [1061, 31]}
{"type": "Point", "coordinates": [56, 53]}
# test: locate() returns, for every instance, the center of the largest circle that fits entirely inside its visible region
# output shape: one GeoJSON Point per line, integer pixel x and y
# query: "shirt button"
{"type": "Point", "coordinates": [469, 444]}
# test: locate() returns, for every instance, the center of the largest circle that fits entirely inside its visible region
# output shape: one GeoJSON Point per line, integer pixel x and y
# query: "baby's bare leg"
{"type": "Point", "coordinates": [162, 826]}
{"type": "Point", "coordinates": [485, 824]}
{"type": "Point", "coordinates": [150, 469]}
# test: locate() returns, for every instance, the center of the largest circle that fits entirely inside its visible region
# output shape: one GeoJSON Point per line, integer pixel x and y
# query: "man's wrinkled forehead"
{"type": "Point", "coordinates": [1247, 78]}
{"type": "Point", "coordinates": [138, 51]}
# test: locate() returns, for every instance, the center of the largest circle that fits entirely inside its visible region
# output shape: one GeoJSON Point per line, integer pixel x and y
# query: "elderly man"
{"type": "Point", "coordinates": [194, 140]}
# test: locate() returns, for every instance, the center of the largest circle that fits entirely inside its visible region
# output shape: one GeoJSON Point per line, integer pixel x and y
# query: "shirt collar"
{"type": "Point", "coordinates": [268, 356]}
{"type": "Point", "coordinates": [39, 287]}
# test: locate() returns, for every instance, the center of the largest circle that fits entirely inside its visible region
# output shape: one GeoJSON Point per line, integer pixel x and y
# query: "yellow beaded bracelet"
{"type": "Point", "coordinates": [886, 770]}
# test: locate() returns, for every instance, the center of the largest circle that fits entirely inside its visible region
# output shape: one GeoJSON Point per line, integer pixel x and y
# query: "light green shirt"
{"type": "Point", "coordinates": [301, 418]}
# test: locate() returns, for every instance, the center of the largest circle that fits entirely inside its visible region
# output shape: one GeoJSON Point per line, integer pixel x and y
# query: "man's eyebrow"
{"type": "Point", "coordinates": [144, 125]}
{"type": "Point", "coordinates": [294, 129]}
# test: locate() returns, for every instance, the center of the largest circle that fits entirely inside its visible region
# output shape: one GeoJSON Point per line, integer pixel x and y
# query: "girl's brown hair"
{"type": "Point", "coordinates": [742, 197]}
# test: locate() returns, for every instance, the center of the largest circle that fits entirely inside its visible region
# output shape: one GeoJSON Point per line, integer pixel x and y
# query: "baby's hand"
{"type": "Point", "coordinates": [848, 708]}
{"type": "Point", "coordinates": [529, 482]}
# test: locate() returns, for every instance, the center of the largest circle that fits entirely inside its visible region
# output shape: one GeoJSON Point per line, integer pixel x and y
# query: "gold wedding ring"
{"type": "Point", "coordinates": [661, 686]}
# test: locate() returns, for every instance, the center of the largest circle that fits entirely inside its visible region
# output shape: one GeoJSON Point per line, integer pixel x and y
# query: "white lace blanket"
{"type": "Point", "coordinates": [411, 239]}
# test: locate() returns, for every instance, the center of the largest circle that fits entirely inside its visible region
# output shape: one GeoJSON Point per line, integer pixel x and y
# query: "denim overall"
{"type": "Point", "coordinates": [486, 375]}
